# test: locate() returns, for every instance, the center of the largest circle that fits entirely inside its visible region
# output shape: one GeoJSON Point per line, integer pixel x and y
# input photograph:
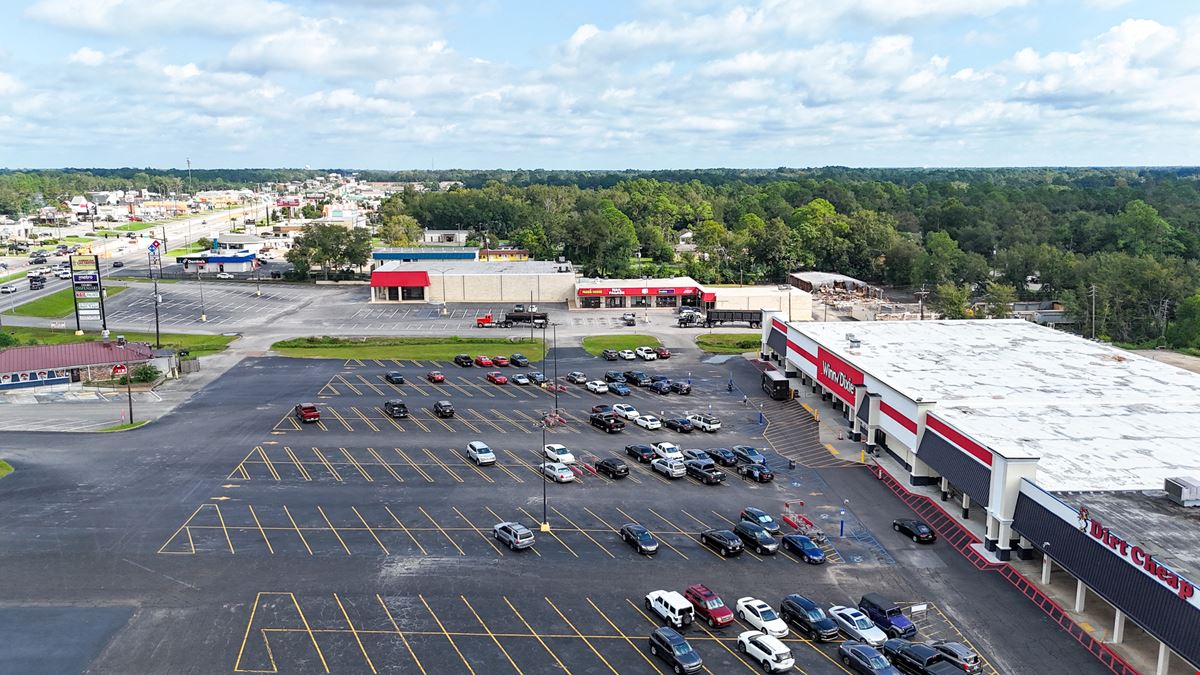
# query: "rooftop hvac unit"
{"type": "Point", "coordinates": [854, 342]}
{"type": "Point", "coordinates": [1183, 491]}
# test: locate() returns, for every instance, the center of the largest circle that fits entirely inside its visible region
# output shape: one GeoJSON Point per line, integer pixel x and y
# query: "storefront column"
{"type": "Point", "coordinates": [1164, 659]}
{"type": "Point", "coordinates": [1025, 550]}
{"type": "Point", "coordinates": [990, 532]}
{"type": "Point", "coordinates": [1080, 595]}
{"type": "Point", "coordinates": [1004, 539]}
{"type": "Point", "coordinates": [966, 505]}
{"type": "Point", "coordinates": [1118, 635]}
{"type": "Point", "coordinates": [1047, 565]}
{"type": "Point", "coordinates": [944, 485]}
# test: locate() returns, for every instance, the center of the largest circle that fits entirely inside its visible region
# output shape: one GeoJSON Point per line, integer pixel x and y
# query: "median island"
{"type": "Point", "coordinates": [414, 348]}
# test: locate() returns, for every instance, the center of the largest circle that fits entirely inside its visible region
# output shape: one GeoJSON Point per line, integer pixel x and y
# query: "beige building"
{"type": "Point", "coordinates": [473, 281]}
{"type": "Point", "coordinates": [793, 302]}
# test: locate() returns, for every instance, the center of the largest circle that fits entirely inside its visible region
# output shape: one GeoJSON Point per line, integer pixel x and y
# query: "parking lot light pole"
{"type": "Point", "coordinates": [545, 521]}
{"type": "Point", "coordinates": [203, 315]}
{"type": "Point", "coordinates": [128, 376]}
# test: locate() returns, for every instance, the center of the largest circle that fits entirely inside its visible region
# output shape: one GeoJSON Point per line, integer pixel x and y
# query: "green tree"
{"type": "Point", "coordinates": [331, 247]}
{"type": "Point", "coordinates": [999, 298]}
{"type": "Point", "coordinates": [1184, 331]}
{"type": "Point", "coordinates": [950, 301]}
{"type": "Point", "coordinates": [935, 265]}
{"type": "Point", "coordinates": [1142, 231]}
{"type": "Point", "coordinates": [399, 230]}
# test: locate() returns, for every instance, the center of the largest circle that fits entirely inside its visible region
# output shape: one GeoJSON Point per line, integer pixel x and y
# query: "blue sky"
{"type": "Point", "coordinates": [619, 84]}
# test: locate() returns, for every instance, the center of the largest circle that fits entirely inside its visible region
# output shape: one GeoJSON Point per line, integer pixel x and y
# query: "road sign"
{"type": "Point", "coordinates": [119, 369]}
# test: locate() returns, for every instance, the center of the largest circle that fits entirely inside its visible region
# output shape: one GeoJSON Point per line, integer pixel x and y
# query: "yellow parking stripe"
{"type": "Point", "coordinates": [552, 534]}
{"type": "Point", "coordinates": [539, 637]}
{"type": "Point", "coordinates": [447, 634]}
{"type": "Point", "coordinates": [442, 464]}
{"type": "Point", "coordinates": [415, 467]}
{"type": "Point", "coordinates": [297, 529]}
{"type": "Point", "coordinates": [439, 527]}
{"type": "Point", "coordinates": [328, 467]}
{"type": "Point", "coordinates": [347, 383]}
{"type": "Point", "coordinates": [585, 532]}
{"type": "Point", "coordinates": [364, 418]}
{"type": "Point", "coordinates": [585, 640]}
{"type": "Point", "coordinates": [482, 474]}
{"type": "Point", "coordinates": [663, 540]}
{"type": "Point", "coordinates": [481, 534]}
{"type": "Point", "coordinates": [386, 467]}
{"type": "Point", "coordinates": [403, 639]}
{"type": "Point", "coordinates": [405, 529]}
{"type": "Point", "coordinates": [368, 383]}
{"type": "Point", "coordinates": [485, 420]}
{"type": "Point", "coordinates": [492, 635]}
{"type": "Point", "coordinates": [373, 535]}
{"type": "Point", "coordinates": [334, 530]}
{"type": "Point", "coordinates": [267, 460]}
{"type": "Point", "coordinates": [618, 631]}
{"type": "Point", "coordinates": [476, 387]}
{"type": "Point", "coordinates": [356, 465]}
{"type": "Point", "coordinates": [296, 460]}
{"type": "Point", "coordinates": [341, 419]}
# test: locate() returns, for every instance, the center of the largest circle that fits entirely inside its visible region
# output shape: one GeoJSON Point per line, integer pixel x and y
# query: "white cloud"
{"type": "Point", "coordinates": [176, 16]}
{"type": "Point", "coordinates": [9, 84]}
{"type": "Point", "coordinates": [86, 56]}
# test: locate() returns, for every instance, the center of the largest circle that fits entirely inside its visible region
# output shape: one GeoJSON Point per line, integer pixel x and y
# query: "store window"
{"type": "Point", "coordinates": [689, 301]}
{"type": "Point", "coordinates": [617, 301]}
{"type": "Point", "coordinates": [665, 301]}
{"type": "Point", "coordinates": [393, 293]}
{"type": "Point", "coordinates": [639, 301]}
{"type": "Point", "coordinates": [412, 293]}
{"type": "Point", "coordinates": [589, 303]}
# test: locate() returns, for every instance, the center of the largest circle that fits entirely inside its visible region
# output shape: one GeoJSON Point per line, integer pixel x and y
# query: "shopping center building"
{"type": "Point", "coordinates": [1056, 447]}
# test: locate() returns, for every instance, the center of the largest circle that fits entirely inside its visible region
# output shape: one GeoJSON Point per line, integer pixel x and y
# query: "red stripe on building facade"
{"type": "Point", "coordinates": [965, 444]}
{"type": "Point", "coordinates": [898, 417]}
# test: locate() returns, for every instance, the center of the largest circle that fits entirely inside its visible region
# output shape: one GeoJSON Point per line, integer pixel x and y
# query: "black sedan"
{"type": "Point", "coordinates": [612, 467]}
{"type": "Point", "coordinates": [395, 377]}
{"type": "Point", "coordinates": [705, 472]}
{"type": "Point", "coordinates": [660, 387]}
{"type": "Point", "coordinates": [681, 388]}
{"type": "Point", "coordinates": [614, 376]}
{"type": "Point", "coordinates": [724, 541]}
{"type": "Point", "coordinates": [804, 547]}
{"type": "Point", "coordinates": [756, 472]}
{"type": "Point", "coordinates": [519, 360]}
{"type": "Point", "coordinates": [642, 453]}
{"type": "Point", "coordinates": [537, 377]}
{"type": "Point", "coordinates": [639, 538]}
{"type": "Point", "coordinates": [464, 360]}
{"type": "Point", "coordinates": [722, 456]}
{"type": "Point", "coordinates": [756, 537]}
{"type": "Point", "coordinates": [748, 454]}
{"type": "Point", "coordinates": [681, 424]}
{"type": "Point", "coordinates": [915, 530]}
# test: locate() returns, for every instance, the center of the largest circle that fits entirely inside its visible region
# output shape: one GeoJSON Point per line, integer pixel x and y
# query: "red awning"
{"type": "Point", "coordinates": [709, 297]}
{"type": "Point", "coordinates": [399, 279]}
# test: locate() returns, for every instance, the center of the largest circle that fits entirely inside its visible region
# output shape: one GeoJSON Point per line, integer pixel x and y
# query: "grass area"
{"type": "Point", "coordinates": [416, 348]}
{"type": "Point", "coordinates": [5, 468]}
{"type": "Point", "coordinates": [730, 343]}
{"type": "Point", "coordinates": [597, 343]}
{"type": "Point", "coordinates": [56, 305]}
{"type": "Point", "coordinates": [135, 227]}
{"type": "Point", "coordinates": [124, 427]}
{"type": "Point", "coordinates": [190, 248]}
{"type": "Point", "coordinates": [12, 277]}
{"type": "Point", "coordinates": [197, 345]}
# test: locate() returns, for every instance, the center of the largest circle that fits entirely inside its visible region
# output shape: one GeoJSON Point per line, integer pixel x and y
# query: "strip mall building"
{"type": "Point", "coordinates": [1057, 448]}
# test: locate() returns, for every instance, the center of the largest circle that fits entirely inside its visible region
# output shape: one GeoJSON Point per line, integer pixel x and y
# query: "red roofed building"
{"type": "Point", "coordinates": [43, 365]}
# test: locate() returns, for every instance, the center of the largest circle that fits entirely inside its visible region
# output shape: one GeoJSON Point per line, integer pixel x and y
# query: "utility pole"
{"type": "Point", "coordinates": [1092, 293]}
{"type": "Point", "coordinates": [150, 262]}
{"type": "Point", "coordinates": [1162, 314]}
{"type": "Point", "coordinates": [921, 295]}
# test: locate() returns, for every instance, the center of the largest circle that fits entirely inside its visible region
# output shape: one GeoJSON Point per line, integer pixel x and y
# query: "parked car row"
{"type": "Point", "coordinates": [864, 652]}
{"type": "Point", "coordinates": [645, 353]}
{"type": "Point", "coordinates": [484, 361]}
{"type": "Point", "coordinates": [703, 464]}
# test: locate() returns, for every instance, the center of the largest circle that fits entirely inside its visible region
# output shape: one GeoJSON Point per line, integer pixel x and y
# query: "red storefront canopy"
{"type": "Point", "coordinates": [399, 279]}
{"type": "Point", "coordinates": [709, 297]}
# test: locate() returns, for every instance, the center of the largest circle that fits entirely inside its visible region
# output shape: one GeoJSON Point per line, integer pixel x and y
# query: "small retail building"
{"type": "Point", "coordinates": [219, 261]}
{"type": "Point", "coordinates": [47, 365]}
{"type": "Point", "coordinates": [472, 281]}
{"type": "Point", "coordinates": [381, 256]}
{"type": "Point", "coordinates": [1055, 448]}
{"type": "Point", "coordinates": [641, 293]}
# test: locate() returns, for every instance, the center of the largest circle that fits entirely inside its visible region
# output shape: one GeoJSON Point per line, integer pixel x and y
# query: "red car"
{"type": "Point", "coordinates": [307, 412]}
{"type": "Point", "coordinates": [500, 361]}
{"type": "Point", "coordinates": [709, 605]}
{"type": "Point", "coordinates": [483, 361]}
{"type": "Point", "coordinates": [663, 352]}
{"type": "Point", "coordinates": [496, 377]}
{"type": "Point", "coordinates": [436, 376]}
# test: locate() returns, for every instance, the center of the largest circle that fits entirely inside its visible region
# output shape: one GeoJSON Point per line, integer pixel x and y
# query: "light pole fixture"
{"type": "Point", "coordinates": [203, 315]}
{"type": "Point", "coordinates": [545, 519]}
{"type": "Point", "coordinates": [128, 375]}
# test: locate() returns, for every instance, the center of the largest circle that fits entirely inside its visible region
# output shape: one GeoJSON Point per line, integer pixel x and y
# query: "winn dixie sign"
{"type": "Point", "coordinates": [837, 375]}
{"type": "Point", "coordinates": [1138, 557]}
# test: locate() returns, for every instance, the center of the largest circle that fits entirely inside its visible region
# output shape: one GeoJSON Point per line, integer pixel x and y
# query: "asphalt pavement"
{"type": "Point", "coordinates": [225, 538]}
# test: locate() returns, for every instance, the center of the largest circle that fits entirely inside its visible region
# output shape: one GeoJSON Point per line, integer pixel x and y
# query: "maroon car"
{"type": "Point", "coordinates": [709, 606]}
{"type": "Point", "coordinates": [662, 352]}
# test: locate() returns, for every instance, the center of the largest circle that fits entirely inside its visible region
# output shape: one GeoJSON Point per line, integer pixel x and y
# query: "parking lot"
{"type": "Point", "coordinates": [223, 303]}
{"type": "Point", "coordinates": [364, 543]}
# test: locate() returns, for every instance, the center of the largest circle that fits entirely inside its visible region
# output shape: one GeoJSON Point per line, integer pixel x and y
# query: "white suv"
{"type": "Point", "coordinates": [480, 453]}
{"type": "Point", "coordinates": [709, 423]}
{"type": "Point", "coordinates": [646, 353]}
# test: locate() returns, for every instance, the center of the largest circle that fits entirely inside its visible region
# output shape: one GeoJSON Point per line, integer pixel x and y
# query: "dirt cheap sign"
{"type": "Point", "coordinates": [837, 375]}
